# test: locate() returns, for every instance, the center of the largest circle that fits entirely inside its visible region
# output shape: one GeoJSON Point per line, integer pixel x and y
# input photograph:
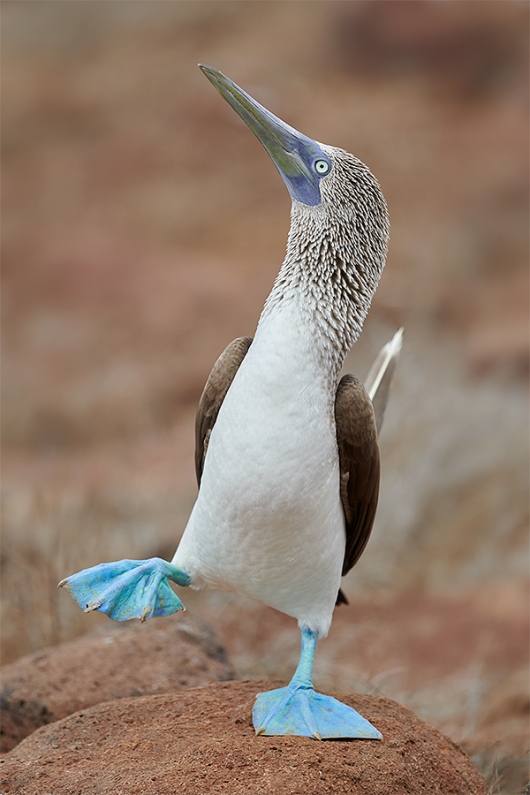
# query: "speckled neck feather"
{"type": "Point", "coordinates": [335, 256]}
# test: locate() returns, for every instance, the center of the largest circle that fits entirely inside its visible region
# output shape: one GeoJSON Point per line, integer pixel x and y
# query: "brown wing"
{"type": "Point", "coordinates": [359, 466]}
{"type": "Point", "coordinates": [213, 394]}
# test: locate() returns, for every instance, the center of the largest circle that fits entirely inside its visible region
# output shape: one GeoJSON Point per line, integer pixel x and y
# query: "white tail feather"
{"type": "Point", "coordinates": [377, 382]}
{"type": "Point", "coordinates": [387, 354]}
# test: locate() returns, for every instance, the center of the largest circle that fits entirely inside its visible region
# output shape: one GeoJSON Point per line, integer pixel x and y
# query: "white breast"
{"type": "Point", "coordinates": [268, 519]}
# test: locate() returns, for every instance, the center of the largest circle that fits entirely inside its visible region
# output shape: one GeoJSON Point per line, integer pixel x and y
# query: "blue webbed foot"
{"type": "Point", "coordinates": [128, 589]}
{"type": "Point", "coordinates": [298, 709]}
{"type": "Point", "coordinates": [304, 712]}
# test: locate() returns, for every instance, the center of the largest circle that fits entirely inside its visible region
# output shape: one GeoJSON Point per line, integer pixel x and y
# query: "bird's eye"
{"type": "Point", "coordinates": [322, 167]}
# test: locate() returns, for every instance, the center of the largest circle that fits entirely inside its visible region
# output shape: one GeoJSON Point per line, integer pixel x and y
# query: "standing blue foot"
{"type": "Point", "coordinates": [128, 589]}
{"type": "Point", "coordinates": [298, 709]}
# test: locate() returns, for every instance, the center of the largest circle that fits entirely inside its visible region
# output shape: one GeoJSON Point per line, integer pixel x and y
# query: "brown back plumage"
{"type": "Point", "coordinates": [359, 465]}
{"type": "Point", "coordinates": [213, 394]}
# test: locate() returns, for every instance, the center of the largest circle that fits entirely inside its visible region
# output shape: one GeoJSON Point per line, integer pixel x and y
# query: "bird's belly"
{"type": "Point", "coordinates": [268, 520]}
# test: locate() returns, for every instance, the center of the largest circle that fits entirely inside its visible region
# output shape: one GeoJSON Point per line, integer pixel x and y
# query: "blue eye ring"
{"type": "Point", "coordinates": [322, 167]}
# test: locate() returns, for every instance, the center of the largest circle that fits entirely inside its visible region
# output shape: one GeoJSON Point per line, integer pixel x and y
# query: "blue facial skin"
{"type": "Point", "coordinates": [300, 160]}
{"type": "Point", "coordinates": [304, 185]}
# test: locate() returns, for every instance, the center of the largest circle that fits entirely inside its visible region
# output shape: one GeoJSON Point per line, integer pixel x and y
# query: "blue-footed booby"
{"type": "Point", "coordinates": [287, 455]}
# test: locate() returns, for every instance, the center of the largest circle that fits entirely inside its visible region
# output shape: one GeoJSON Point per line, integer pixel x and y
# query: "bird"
{"type": "Point", "coordinates": [287, 455]}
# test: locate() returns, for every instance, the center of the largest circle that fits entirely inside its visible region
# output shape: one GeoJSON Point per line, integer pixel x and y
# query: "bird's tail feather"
{"type": "Point", "coordinates": [378, 380]}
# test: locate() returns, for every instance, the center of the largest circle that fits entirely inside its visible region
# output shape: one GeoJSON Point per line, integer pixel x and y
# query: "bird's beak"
{"type": "Point", "coordinates": [293, 153]}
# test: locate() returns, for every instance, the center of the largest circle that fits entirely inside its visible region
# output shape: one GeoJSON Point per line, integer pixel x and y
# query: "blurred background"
{"type": "Point", "coordinates": [143, 226]}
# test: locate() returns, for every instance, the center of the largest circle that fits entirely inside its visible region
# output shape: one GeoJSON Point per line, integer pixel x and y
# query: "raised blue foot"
{"type": "Point", "coordinates": [298, 709]}
{"type": "Point", "coordinates": [128, 589]}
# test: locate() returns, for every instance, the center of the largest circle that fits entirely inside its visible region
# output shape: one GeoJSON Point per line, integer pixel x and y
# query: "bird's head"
{"type": "Point", "coordinates": [339, 227]}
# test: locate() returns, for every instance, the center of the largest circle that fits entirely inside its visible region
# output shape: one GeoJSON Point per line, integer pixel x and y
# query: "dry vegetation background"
{"type": "Point", "coordinates": [142, 228]}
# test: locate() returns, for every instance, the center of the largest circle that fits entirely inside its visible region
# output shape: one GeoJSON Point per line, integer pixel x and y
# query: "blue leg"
{"type": "Point", "coordinates": [298, 709]}
{"type": "Point", "coordinates": [128, 589]}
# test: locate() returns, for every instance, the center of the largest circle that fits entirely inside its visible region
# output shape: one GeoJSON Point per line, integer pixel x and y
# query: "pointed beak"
{"type": "Point", "coordinates": [293, 153]}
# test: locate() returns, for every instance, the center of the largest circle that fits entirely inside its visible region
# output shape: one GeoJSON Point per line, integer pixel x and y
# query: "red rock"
{"type": "Point", "coordinates": [201, 741]}
{"type": "Point", "coordinates": [124, 660]}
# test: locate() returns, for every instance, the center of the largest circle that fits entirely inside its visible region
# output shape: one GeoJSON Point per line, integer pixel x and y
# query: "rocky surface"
{"type": "Point", "coordinates": [119, 661]}
{"type": "Point", "coordinates": [201, 741]}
